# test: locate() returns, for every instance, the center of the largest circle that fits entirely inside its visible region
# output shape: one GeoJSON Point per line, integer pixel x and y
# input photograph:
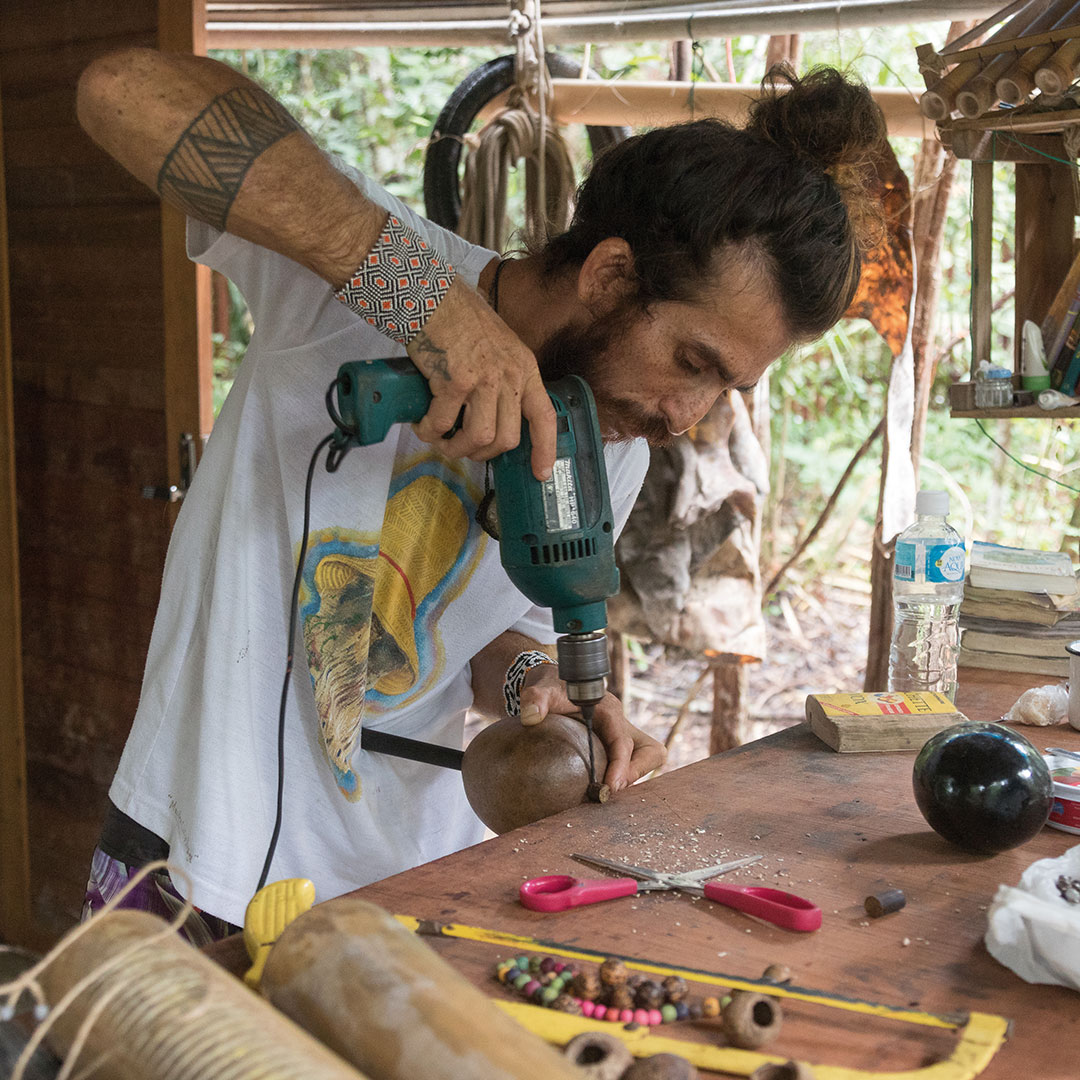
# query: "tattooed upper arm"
{"type": "Point", "coordinates": [204, 170]}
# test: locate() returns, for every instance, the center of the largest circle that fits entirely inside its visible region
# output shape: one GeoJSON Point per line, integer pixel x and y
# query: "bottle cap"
{"type": "Point", "coordinates": [932, 502]}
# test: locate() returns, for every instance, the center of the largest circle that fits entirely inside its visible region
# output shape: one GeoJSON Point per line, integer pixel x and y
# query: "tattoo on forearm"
{"type": "Point", "coordinates": [204, 170]}
{"type": "Point", "coordinates": [434, 356]}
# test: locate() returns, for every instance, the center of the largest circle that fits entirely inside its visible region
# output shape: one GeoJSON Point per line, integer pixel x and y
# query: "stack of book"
{"type": "Point", "coordinates": [1021, 608]}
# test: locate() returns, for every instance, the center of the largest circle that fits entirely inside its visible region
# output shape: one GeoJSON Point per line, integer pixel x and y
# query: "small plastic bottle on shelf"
{"type": "Point", "coordinates": [928, 585]}
{"type": "Point", "coordinates": [993, 387]}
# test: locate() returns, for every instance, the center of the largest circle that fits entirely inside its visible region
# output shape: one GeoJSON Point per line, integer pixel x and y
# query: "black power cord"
{"type": "Point", "coordinates": [333, 442]}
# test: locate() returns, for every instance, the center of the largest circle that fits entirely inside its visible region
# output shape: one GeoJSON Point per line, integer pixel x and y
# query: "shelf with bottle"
{"type": "Point", "coordinates": [992, 105]}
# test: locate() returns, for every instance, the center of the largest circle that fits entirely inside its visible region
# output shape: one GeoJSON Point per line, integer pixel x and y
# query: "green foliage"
{"type": "Point", "coordinates": [376, 107]}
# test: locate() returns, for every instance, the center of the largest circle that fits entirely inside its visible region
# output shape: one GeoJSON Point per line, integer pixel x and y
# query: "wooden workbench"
{"type": "Point", "coordinates": [833, 827]}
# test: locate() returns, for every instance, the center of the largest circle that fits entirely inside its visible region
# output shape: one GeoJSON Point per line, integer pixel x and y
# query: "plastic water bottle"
{"type": "Point", "coordinates": [928, 585]}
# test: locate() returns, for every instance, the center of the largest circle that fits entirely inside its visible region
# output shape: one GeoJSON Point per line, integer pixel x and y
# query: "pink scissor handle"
{"type": "Point", "coordinates": [773, 905]}
{"type": "Point", "coordinates": [557, 892]}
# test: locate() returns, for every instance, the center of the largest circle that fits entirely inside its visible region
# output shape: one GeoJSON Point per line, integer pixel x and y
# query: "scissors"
{"type": "Point", "coordinates": [557, 892]}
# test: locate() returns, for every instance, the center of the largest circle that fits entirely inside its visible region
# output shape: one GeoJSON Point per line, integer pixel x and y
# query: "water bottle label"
{"type": "Point", "coordinates": [934, 563]}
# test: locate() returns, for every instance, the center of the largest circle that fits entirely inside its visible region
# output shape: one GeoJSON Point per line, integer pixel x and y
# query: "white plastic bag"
{"type": "Point", "coordinates": [1042, 705]}
{"type": "Point", "coordinates": [1033, 930]}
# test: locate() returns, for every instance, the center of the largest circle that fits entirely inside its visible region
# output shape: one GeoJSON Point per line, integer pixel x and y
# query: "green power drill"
{"type": "Point", "coordinates": [556, 537]}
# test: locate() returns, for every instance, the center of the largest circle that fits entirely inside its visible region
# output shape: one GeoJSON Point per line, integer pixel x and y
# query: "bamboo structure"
{"type": "Point", "coordinates": [1036, 48]}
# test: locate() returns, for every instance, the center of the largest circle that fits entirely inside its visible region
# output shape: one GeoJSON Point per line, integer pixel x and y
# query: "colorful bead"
{"type": "Point", "coordinates": [667, 1012]}
{"type": "Point", "coordinates": [626, 1016]}
{"type": "Point", "coordinates": [710, 1007]}
{"type": "Point", "coordinates": [547, 965]}
{"type": "Point", "coordinates": [613, 1015]}
{"type": "Point", "coordinates": [530, 988]}
{"type": "Point", "coordinates": [522, 962]}
{"type": "Point", "coordinates": [641, 1016]}
{"type": "Point", "coordinates": [558, 966]}
{"type": "Point", "coordinates": [682, 1010]}
{"type": "Point", "coordinates": [598, 1011]}
{"type": "Point", "coordinates": [587, 1007]}
{"type": "Point", "coordinates": [520, 981]}
{"type": "Point", "coordinates": [655, 1017]}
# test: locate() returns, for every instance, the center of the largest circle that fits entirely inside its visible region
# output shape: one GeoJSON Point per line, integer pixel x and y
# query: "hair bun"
{"type": "Point", "coordinates": [833, 122]}
{"type": "Point", "coordinates": [821, 115]}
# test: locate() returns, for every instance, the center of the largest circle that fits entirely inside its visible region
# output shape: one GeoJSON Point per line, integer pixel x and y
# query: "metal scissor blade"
{"type": "Point", "coordinates": [642, 873]}
{"type": "Point", "coordinates": [695, 877]}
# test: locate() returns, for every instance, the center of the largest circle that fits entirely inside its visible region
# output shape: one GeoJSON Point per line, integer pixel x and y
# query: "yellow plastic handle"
{"type": "Point", "coordinates": [268, 912]}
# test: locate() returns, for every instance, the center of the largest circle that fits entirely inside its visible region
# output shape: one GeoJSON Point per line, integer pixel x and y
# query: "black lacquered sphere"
{"type": "Point", "coordinates": [983, 787]}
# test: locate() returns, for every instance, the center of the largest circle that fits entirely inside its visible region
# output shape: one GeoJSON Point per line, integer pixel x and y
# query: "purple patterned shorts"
{"type": "Point", "coordinates": [156, 893]}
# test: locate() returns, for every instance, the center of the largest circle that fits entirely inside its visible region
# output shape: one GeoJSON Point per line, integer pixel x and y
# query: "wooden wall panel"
{"type": "Point", "coordinates": [87, 330]}
{"type": "Point", "coordinates": [14, 825]}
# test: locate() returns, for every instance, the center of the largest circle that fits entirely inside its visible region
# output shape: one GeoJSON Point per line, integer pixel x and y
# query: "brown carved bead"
{"type": "Point", "coordinates": [620, 998]}
{"type": "Point", "coordinates": [566, 1003]}
{"type": "Point", "coordinates": [613, 972]}
{"type": "Point", "coordinates": [650, 995]}
{"type": "Point", "coordinates": [675, 988]}
{"type": "Point", "coordinates": [586, 985]}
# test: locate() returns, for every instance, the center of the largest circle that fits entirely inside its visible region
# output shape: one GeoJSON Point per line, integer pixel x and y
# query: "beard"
{"type": "Point", "coordinates": [591, 352]}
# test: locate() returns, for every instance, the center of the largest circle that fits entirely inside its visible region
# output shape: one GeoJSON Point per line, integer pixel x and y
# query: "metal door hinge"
{"type": "Point", "coordinates": [175, 492]}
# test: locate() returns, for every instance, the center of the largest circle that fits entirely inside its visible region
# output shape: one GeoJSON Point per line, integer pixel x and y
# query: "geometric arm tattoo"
{"type": "Point", "coordinates": [204, 170]}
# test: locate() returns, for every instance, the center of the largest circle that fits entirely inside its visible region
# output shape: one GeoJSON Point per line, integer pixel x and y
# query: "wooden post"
{"type": "Point", "coordinates": [14, 825]}
{"type": "Point", "coordinates": [1045, 207]}
{"type": "Point", "coordinates": [729, 715]}
{"type": "Point", "coordinates": [186, 289]}
{"type": "Point", "coordinates": [982, 239]}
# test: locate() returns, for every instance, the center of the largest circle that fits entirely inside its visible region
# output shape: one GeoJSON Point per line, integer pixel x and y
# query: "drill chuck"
{"type": "Point", "coordinates": [584, 666]}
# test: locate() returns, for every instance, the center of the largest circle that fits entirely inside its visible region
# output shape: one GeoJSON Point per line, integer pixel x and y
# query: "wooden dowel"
{"type": "Point", "coordinates": [1057, 75]}
{"type": "Point", "coordinates": [1014, 86]}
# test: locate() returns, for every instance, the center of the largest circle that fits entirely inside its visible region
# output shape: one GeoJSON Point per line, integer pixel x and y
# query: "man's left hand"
{"type": "Point", "coordinates": [631, 753]}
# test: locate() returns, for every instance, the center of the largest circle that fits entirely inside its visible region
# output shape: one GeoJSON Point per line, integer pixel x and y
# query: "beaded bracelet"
{"type": "Point", "coordinates": [515, 678]}
{"type": "Point", "coordinates": [399, 284]}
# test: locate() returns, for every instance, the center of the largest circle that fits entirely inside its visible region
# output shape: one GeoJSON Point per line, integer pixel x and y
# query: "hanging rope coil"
{"type": "Point", "coordinates": [510, 136]}
{"type": "Point", "coordinates": [519, 131]}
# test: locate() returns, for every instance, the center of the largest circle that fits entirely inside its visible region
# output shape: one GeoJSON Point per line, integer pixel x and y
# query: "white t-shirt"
{"type": "Point", "coordinates": [400, 590]}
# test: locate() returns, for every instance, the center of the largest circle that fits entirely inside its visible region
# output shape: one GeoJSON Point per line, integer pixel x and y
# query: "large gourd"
{"type": "Point", "coordinates": [515, 775]}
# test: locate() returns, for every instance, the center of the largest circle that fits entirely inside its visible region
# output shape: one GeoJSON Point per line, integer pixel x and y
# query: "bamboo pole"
{"type": "Point", "coordinates": [1056, 76]}
{"type": "Point", "coordinates": [978, 95]}
{"type": "Point", "coordinates": [655, 103]}
{"type": "Point", "coordinates": [1015, 86]}
{"type": "Point", "coordinates": [239, 26]}
{"type": "Point", "coordinates": [940, 99]}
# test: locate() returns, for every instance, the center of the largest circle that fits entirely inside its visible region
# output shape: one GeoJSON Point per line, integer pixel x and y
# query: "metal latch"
{"type": "Point", "coordinates": [175, 492]}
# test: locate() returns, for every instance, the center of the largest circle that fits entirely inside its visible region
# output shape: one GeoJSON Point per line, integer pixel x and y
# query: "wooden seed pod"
{"type": "Point", "coordinates": [751, 1020]}
{"type": "Point", "coordinates": [515, 775]}
{"type": "Point", "coordinates": [169, 1012]}
{"type": "Point", "coordinates": [376, 994]}
{"type": "Point", "coordinates": [661, 1067]}
{"type": "Point", "coordinates": [790, 1070]}
{"type": "Point", "coordinates": [599, 1055]}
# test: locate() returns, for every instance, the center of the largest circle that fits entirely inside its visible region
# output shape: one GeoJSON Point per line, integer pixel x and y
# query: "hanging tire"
{"type": "Point", "coordinates": [442, 186]}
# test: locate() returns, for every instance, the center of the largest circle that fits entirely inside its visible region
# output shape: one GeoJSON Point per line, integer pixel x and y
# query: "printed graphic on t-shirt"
{"type": "Point", "coordinates": [371, 604]}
